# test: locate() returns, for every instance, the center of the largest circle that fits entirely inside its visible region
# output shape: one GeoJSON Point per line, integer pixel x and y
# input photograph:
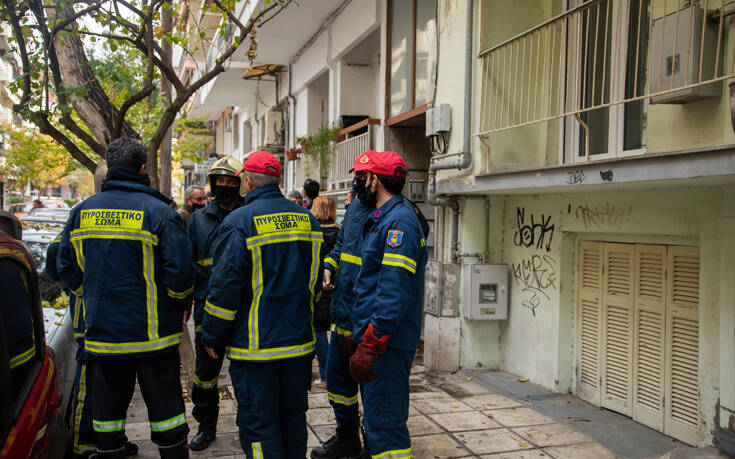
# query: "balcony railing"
{"type": "Point", "coordinates": [345, 154]}
{"type": "Point", "coordinates": [603, 53]}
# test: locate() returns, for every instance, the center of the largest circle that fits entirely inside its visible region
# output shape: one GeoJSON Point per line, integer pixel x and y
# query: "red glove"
{"type": "Point", "coordinates": [363, 360]}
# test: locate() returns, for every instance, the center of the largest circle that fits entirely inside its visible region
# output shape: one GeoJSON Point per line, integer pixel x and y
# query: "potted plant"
{"type": "Point", "coordinates": [319, 148]}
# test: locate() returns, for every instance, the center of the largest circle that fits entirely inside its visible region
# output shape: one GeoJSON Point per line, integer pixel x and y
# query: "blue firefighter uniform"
{"type": "Point", "coordinates": [127, 255]}
{"type": "Point", "coordinates": [83, 443]}
{"type": "Point", "coordinates": [264, 282]}
{"type": "Point", "coordinates": [203, 230]}
{"type": "Point", "coordinates": [344, 262]}
{"type": "Point", "coordinates": [389, 292]}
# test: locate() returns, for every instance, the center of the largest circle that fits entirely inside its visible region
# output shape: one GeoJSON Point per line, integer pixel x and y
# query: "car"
{"type": "Point", "coordinates": [20, 209]}
{"type": "Point", "coordinates": [53, 212]}
{"type": "Point", "coordinates": [35, 399]}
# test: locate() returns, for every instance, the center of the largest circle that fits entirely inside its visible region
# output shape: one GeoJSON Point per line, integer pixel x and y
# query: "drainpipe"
{"type": "Point", "coordinates": [292, 121]}
{"type": "Point", "coordinates": [465, 157]}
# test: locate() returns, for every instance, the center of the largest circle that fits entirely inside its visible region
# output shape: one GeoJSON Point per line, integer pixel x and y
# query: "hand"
{"type": "Point", "coordinates": [362, 362]}
{"type": "Point", "coordinates": [327, 281]}
{"type": "Point", "coordinates": [187, 313]}
{"type": "Point", "coordinates": [212, 353]}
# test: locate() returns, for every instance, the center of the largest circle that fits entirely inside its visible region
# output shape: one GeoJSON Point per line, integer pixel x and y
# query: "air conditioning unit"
{"type": "Point", "coordinates": [228, 123]}
{"type": "Point", "coordinates": [274, 128]}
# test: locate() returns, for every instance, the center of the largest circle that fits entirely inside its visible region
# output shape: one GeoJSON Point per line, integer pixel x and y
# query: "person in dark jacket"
{"type": "Point", "coordinates": [266, 275]}
{"type": "Point", "coordinates": [195, 198]}
{"type": "Point", "coordinates": [324, 209]}
{"type": "Point", "coordinates": [203, 229]}
{"type": "Point", "coordinates": [127, 255]}
{"type": "Point", "coordinates": [310, 192]}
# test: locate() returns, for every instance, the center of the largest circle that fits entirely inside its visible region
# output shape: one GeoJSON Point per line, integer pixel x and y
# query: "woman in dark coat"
{"type": "Point", "coordinates": [324, 208]}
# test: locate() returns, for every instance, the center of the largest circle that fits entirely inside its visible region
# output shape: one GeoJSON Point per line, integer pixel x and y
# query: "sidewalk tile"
{"type": "Point", "coordinates": [436, 447]}
{"type": "Point", "coordinates": [311, 440]}
{"type": "Point", "coordinates": [225, 445]}
{"type": "Point", "coordinates": [422, 395]}
{"type": "Point", "coordinates": [552, 434]}
{"type": "Point", "coordinates": [517, 417]}
{"type": "Point", "coordinates": [490, 401]}
{"type": "Point", "coordinates": [225, 424]}
{"type": "Point", "coordinates": [440, 405]}
{"type": "Point", "coordinates": [319, 400]}
{"type": "Point", "coordinates": [529, 454]}
{"type": "Point", "coordinates": [320, 416]}
{"type": "Point", "coordinates": [472, 420]}
{"type": "Point", "coordinates": [421, 425]}
{"type": "Point", "coordinates": [137, 431]}
{"type": "Point", "coordinates": [324, 432]}
{"type": "Point", "coordinates": [581, 451]}
{"type": "Point", "coordinates": [492, 441]}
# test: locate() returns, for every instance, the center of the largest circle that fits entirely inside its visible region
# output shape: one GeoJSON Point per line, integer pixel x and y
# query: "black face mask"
{"type": "Point", "coordinates": [226, 194]}
{"type": "Point", "coordinates": [196, 206]}
{"type": "Point", "coordinates": [358, 186]}
{"type": "Point", "coordinates": [371, 197]}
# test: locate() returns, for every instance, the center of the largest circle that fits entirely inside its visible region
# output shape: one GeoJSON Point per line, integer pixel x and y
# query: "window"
{"type": "Point", "coordinates": [412, 54]}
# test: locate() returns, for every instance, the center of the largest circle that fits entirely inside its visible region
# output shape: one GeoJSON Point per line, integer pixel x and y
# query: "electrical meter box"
{"type": "Point", "coordinates": [681, 44]}
{"type": "Point", "coordinates": [485, 292]}
{"type": "Point", "coordinates": [438, 119]}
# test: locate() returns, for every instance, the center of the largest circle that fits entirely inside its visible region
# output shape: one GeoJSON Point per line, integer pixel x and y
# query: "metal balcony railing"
{"type": "Point", "coordinates": [345, 153]}
{"type": "Point", "coordinates": [603, 53]}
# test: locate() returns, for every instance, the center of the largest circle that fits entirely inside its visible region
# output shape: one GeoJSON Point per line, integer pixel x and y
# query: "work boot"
{"type": "Point", "coordinates": [344, 444]}
{"type": "Point", "coordinates": [202, 440]}
{"type": "Point", "coordinates": [109, 454]}
{"type": "Point", "coordinates": [131, 449]}
{"type": "Point", "coordinates": [177, 451]}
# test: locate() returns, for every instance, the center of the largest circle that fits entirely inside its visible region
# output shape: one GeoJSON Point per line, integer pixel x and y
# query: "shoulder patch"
{"type": "Point", "coordinates": [395, 238]}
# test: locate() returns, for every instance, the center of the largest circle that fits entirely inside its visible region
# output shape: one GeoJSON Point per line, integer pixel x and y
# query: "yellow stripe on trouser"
{"type": "Point", "coordinates": [394, 454]}
{"type": "Point", "coordinates": [205, 384]}
{"type": "Point", "coordinates": [257, 451]}
{"type": "Point", "coordinates": [20, 359]}
{"type": "Point", "coordinates": [81, 395]}
{"type": "Point", "coordinates": [342, 399]}
{"type": "Point", "coordinates": [179, 295]}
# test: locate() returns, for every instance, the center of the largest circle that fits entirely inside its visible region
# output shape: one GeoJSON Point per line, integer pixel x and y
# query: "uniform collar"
{"type": "Point", "coordinates": [385, 208]}
{"type": "Point", "coordinates": [126, 185]}
{"type": "Point", "coordinates": [216, 211]}
{"type": "Point", "coordinates": [263, 191]}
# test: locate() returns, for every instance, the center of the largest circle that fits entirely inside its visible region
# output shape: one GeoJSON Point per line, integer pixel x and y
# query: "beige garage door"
{"type": "Point", "coordinates": [638, 333]}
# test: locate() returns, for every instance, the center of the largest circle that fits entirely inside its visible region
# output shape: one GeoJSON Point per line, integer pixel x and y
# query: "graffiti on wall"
{"type": "Point", "coordinates": [575, 177]}
{"type": "Point", "coordinates": [604, 215]}
{"type": "Point", "coordinates": [537, 231]}
{"type": "Point", "coordinates": [536, 277]}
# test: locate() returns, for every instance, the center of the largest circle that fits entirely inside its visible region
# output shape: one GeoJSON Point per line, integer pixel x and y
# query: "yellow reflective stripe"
{"type": "Point", "coordinates": [350, 259]}
{"type": "Point", "coordinates": [205, 384]}
{"type": "Point", "coordinates": [78, 335]}
{"type": "Point", "coordinates": [257, 451]}
{"type": "Point", "coordinates": [394, 259]}
{"type": "Point", "coordinates": [330, 261]}
{"type": "Point", "coordinates": [313, 274]}
{"type": "Point", "coordinates": [114, 233]}
{"type": "Point", "coordinates": [180, 295]}
{"type": "Point", "coordinates": [423, 242]}
{"type": "Point", "coordinates": [108, 426]}
{"type": "Point", "coordinates": [222, 313]}
{"type": "Point", "coordinates": [81, 395]}
{"type": "Point", "coordinates": [57, 239]}
{"type": "Point", "coordinates": [394, 454]}
{"type": "Point", "coordinates": [168, 424]}
{"type": "Point", "coordinates": [342, 399]}
{"type": "Point", "coordinates": [85, 449]}
{"type": "Point", "coordinates": [97, 347]}
{"type": "Point", "coordinates": [284, 236]}
{"type": "Point", "coordinates": [20, 359]}
{"type": "Point", "coordinates": [40, 433]}
{"type": "Point", "coordinates": [257, 285]}
{"type": "Point", "coordinates": [399, 257]}
{"type": "Point", "coordinates": [79, 291]}
{"type": "Point", "coordinates": [77, 313]}
{"type": "Point", "coordinates": [79, 253]}
{"type": "Point", "coordinates": [151, 292]}
{"type": "Point", "coordinates": [276, 353]}
{"type": "Point", "coordinates": [340, 331]}
{"type": "Point", "coordinates": [400, 264]}
{"type": "Point", "coordinates": [198, 329]}
{"type": "Point", "coordinates": [205, 262]}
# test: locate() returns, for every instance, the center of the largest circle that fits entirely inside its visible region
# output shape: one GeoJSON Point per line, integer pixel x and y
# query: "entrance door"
{"type": "Point", "coordinates": [638, 333]}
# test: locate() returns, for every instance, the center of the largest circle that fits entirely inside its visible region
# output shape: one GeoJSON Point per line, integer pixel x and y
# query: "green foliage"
{"type": "Point", "coordinates": [319, 148]}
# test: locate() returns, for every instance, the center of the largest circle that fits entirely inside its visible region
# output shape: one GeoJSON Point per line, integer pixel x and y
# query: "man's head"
{"type": "Point", "coordinates": [296, 197]}
{"type": "Point", "coordinates": [195, 197]}
{"type": "Point", "coordinates": [349, 198]}
{"type": "Point", "coordinates": [311, 189]}
{"type": "Point", "coordinates": [224, 182]}
{"type": "Point", "coordinates": [126, 153]}
{"type": "Point", "coordinates": [382, 174]}
{"type": "Point", "coordinates": [261, 169]}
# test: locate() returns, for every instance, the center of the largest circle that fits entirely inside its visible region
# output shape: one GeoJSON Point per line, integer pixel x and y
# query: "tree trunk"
{"type": "Point", "coordinates": [165, 169]}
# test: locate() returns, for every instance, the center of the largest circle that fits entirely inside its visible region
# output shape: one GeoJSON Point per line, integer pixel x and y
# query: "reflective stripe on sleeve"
{"type": "Point", "coordinates": [330, 261]}
{"type": "Point", "coordinates": [205, 262]}
{"type": "Point", "coordinates": [180, 295]}
{"type": "Point", "coordinates": [97, 347]}
{"type": "Point", "coordinates": [222, 313]}
{"type": "Point", "coordinates": [350, 259]}
{"type": "Point", "coordinates": [394, 259]}
{"type": "Point", "coordinates": [342, 399]}
{"type": "Point", "coordinates": [277, 353]}
{"type": "Point", "coordinates": [108, 426]}
{"type": "Point", "coordinates": [394, 454]}
{"type": "Point", "coordinates": [168, 424]}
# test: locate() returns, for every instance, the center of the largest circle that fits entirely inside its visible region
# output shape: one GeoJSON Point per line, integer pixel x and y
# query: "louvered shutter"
{"type": "Point", "coordinates": [589, 321]}
{"type": "Point", "coordinates": [682, 414]}
{"type": "Point", "coordinates": [617, 325]}
{"type": "Point", "coordinates": [649, 335]}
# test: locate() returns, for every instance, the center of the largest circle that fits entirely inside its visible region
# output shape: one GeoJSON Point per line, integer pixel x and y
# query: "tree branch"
{"type": "Point", "coordinates": [69, 123]}
{"type": "Point", "coordinates": [47, 128]}
{"type": "Point", "coordinates": [58, 27]}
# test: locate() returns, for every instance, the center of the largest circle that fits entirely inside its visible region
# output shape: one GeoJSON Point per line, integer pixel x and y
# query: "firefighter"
{"type": "Point", "coordinates": [389, 291]}
{"type": "Point", "coordinates": [127, 256]}
{"type": "Point", "coordinates": [341, 266]}
{"type": "Point", "coordinates": [203, 228]}
{"type": "Point", "coordinates": [265, 278]}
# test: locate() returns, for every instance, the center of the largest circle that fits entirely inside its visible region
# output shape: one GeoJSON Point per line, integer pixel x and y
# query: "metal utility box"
{"type": "Point", "coordinates": [485, 292]}
{"type": "Point", "coordinates": [438, 119]}
{"type": "Point", "coordinates": [685, 34]}
{"type": "Point", "coordinates": [441, 292]}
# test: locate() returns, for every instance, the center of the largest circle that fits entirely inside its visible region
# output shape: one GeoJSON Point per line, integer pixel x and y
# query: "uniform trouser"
{"type": "Point", "coordinates": [271, 406]}
{"type": "Point", "coordinates": [205, 393]}
{"type": "Point", "coordinates": [341, 388]}
{"type": "Point", "coordinates": [385, 406]}
{"type": "Point", "coordinates": [158, 378]}
{"type": "Point", "coordinates": [83, 442]}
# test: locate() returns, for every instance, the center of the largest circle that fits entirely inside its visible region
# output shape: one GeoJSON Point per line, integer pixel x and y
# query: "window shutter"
{"type": "Point", "coordinates": [649, 332]}
{"type": "Point", "coordinates": [617, 324]}
{"type": "Point", "coordinates": [589, 321]}
{"type": "Point", "coordinates": [682, 414]}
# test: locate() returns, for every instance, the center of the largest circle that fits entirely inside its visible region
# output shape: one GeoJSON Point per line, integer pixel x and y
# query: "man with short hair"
{"type": "Point", "coordinates": [388, 309]}
{"type": "Point", "coordinates": [127, 255]}
{"type": "Point", "coordinates": [265, 279]}
{"type": "Point", "coordinates": [310, 192]}
{"type": "Point", "coordinates": [295, 196]}
{"type": "Point", "coordinates": [194, 198]}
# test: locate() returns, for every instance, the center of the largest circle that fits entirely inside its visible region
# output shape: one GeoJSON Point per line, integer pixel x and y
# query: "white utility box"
{"type": "Point", "coordinates": [485, 292]}
{"type": "Point", "coordinates": [676, 49]}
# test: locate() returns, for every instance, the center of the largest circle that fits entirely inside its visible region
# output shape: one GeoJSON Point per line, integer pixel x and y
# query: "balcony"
{"type": "Point", "coordinates": [347, 151]}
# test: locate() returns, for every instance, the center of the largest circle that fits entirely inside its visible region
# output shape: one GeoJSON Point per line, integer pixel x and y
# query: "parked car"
{"type": "Point", "coordinates": [37, 356]}
{"type": "Point", "coordinates": [20, 209]}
